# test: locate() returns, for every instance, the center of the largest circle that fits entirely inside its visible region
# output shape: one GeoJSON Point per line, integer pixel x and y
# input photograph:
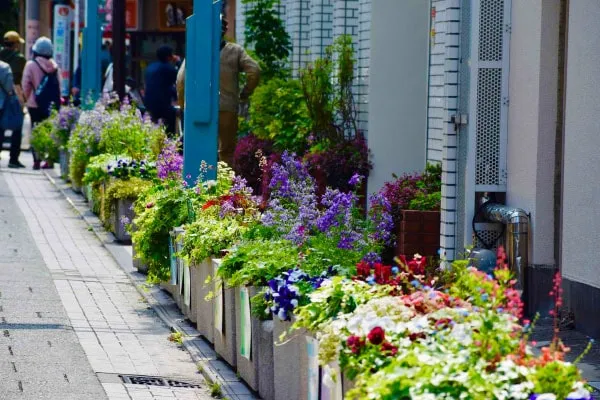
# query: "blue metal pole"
{"type": "Point", "coordinates": [90, 61]}
{"type": "Point", "coordinates": [202, 65]}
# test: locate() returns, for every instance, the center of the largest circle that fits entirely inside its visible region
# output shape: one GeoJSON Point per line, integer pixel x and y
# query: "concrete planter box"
{"type": "Point", "coordinates": [290, 362]}
{"type": "Point", "coordinates": [418, 232]}
{"type": "Point", "coordinates": [172, 285]}
{"type": "Point", "coordinates": [122, 209]}
{"type": "Point", "coordinates": [225, 332]}
{"type": "Point", "coordinates": [266, 371]}
{"type": "Point", "coordinates": [95, 199]}
{"type": "Point", "coordinates": [205, 308]}
{"type": "Point", "coordinates": [248, 368]}
{"type": "Point", "coordinates": [138, 264]}
{"type": "Point", "coordinates": [195, 282]}
{"type": "Point", "coordinates": [64, 159]}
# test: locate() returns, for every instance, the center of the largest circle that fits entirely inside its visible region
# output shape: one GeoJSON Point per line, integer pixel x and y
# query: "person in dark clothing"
{"type": "Point", "coordinates": [11, 55]}
{"type": "Point", "coordinates": [160, 93]}
{"type": "Point", "coordinates": [76, 86]}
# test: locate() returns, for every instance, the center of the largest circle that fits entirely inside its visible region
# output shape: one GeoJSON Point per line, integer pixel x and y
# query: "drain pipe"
{"type": "Point", "coordinates": [517, 222]}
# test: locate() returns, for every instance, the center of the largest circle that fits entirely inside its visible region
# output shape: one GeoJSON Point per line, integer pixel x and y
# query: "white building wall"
{"type": "Point", "coordinates": [398, 88]}
{"type": "Point", "coordinates": [436, 102]}
{"type": "Point", "coordinates": [321, 27]}
{"type": "Point", "coordinates": [581, 166]}
{"type": "Point", "coordinates": [297, 20]}
{"type": "Point", "coordinates": [364, 61]}
{"type": "Point", "coordinates": [532, 120]}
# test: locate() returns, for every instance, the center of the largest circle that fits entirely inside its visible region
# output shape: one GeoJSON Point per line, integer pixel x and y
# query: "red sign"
{"type": "Point", "coordinates": [131, 14]}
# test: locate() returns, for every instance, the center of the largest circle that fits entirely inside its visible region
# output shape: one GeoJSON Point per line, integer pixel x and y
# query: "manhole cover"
{"type": "Point", "coordinates": [156, 381]}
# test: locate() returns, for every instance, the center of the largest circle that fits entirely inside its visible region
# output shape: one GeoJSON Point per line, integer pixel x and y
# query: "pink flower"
{"type": "Point", "coordinates": [150, 205]}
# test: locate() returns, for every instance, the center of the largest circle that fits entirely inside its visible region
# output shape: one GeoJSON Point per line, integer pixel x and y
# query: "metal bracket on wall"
{"type": "Point", "coordinates": [459, 120]}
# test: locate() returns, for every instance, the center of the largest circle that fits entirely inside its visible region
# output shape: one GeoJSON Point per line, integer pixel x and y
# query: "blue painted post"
{"type": "Point", "coordinates": [202, 65]}
{"type": "Point", "coordinates": [90, 61]}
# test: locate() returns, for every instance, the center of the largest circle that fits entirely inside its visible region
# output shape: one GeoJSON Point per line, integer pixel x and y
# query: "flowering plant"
{"type": "Point", "coordinates": [414, 191]}
{"type": "Point", "coordinates": [125, 168]}
{"type": "Point", "coordinates": [221, 220]}
{"type": "Point", "coordinates": [288, 291]}
{"type": "Point", "coordinates": [65, 122]}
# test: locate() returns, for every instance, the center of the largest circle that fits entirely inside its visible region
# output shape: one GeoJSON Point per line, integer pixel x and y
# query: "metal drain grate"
{"type": "Point", "coordinates": [156, 381]}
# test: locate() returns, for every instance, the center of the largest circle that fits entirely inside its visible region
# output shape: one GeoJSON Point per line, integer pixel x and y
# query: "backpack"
{"type": "Point", "coordinates": [47, 94]}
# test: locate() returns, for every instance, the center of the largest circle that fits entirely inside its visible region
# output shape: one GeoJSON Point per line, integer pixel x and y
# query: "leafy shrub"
{"type": "Point", "coordinates": [42, 141]}
{"type": "Point", "coordinates": [415, 191]}
{"type": "Point", "coordinates": [247, 157]}
{"type": "Point", "coordinates": [339, 162]}
{"type": "Point", "coordinates": [278, 113]}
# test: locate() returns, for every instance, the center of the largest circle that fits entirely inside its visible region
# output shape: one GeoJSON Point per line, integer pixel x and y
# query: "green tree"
{"type": "Point", "coordinates": [9, 15]}
{"type": "Point", "coordinates": [266, 33]}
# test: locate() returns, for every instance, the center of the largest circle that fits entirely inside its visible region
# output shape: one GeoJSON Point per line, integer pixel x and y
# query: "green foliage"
{"type": "Point", "coordinates": [158, 210]}
{"type": "Point", "coordinates": [426, 201]}
{"type": "Point", "coordinates": [125, 133]}
{"type": "Point", "coordinates": [119, 189]}
{"type": "Point", "coordinates": [208, 235]}
{"type": "Point", "coordinates": [327, 87]}
{"type": "Point", "coordinates": [266, 33]}
{"type": "Point", "coordinates": [322, 252]}
{"type": "Point", "coordinates": [95, 172]}
{"type": "Point", "coordinates": [255, 263]}
{"type": "Point", "coordinates": [42, 141]}
{"type": "Point", "coordinates": [278, 112]}
{"type": "Point", "coordinates": [318, 94]}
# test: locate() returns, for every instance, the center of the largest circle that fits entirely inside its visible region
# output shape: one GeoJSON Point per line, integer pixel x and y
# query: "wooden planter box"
{"type": "Point", "coordinates": [418, 232]}
{"type": "Point", "coordinates": [122, 209]}
{"type": "Point", "coordinates": [64, 159]}
{"type": "Point", "coordinates": [205, 308]}
{"type": "Point", "coordinates": [290, 362]}
{"type": "Point", "coordinates": [224, 320]}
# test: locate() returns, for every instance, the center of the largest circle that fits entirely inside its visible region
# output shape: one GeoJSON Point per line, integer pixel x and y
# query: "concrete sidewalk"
{"type": "Point", "coordinates": [214, 369]}
{"type": "Point", "coordinates": [91, 311]}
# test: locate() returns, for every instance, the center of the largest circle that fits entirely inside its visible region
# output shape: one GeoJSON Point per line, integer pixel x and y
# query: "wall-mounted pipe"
{"type": "Point", "coordinates": [517, 246]}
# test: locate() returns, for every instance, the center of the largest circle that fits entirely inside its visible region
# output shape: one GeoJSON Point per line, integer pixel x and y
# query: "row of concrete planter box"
{"type": "Point", "coordinates": [273, 368]}
{"type": "Point", "coordinates": [122, 209]}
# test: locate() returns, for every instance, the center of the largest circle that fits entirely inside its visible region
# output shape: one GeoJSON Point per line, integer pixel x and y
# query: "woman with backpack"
{"type": "Point", "coordinates": [41, 86]}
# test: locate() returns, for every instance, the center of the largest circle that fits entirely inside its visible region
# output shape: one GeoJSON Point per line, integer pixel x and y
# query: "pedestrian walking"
{"type": "Point", "coordinates": [160, 92]}
{"type": "Point", "coordinates": [11, 54]}
{"type": "Point", "coordinates": [41, 86]}
{"type": "Point", "coordinates": [234, 60]}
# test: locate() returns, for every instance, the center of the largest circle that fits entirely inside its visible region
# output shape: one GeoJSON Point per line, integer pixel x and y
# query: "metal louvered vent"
{"type": "Point", "coordinates": [490, 233]}
{"type": "Point", "coordinates": [489, 101]}
{"type": "Point", "coordinates": [491, 28]}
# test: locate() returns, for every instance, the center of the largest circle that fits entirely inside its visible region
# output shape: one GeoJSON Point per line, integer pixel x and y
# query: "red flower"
{"type": "Point", "coordinates": [363, 269]}
{"type": "Point", "coordinates": [355, 343]}
{"type": "Point", "coordinates": [149, 205]}
{"type": "Point", "coordinates": [377, 335]}
{"type": "Point", "coordinates": [383, 273]}
{"type": "Point", "coordinates": [389, 348]}
{"type": "Point", "coordinates": [209, 204]}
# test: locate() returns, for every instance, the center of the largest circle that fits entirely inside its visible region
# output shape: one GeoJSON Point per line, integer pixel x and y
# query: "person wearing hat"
{"type": "Point", "coordinates": [11, 55]}
{"type": "Point", "coordinates": [36, 69]}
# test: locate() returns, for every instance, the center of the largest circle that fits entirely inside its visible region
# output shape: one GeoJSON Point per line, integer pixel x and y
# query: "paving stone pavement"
{"type": "Point", "coordinates": [77, 294]}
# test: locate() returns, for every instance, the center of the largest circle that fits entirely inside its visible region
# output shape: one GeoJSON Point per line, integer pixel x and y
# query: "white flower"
{"type": "Point", "coordinates": [546, 396]}
{"type": "Point", "coordinates": [579, 394]}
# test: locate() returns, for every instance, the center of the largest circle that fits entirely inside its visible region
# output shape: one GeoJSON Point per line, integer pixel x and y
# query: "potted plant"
{"type": "Point", "coordinates": [415, 200]}
{"type": "Point", "coordinates": [65, 121]}
{"type": "Point", "coordinates": [118, 205]}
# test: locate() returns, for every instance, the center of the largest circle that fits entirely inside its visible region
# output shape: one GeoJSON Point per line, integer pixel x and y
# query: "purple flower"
{"type": "Point", "coordinates": [356, 179]}
{"type": "Point", "coordinates": [170, 163]}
